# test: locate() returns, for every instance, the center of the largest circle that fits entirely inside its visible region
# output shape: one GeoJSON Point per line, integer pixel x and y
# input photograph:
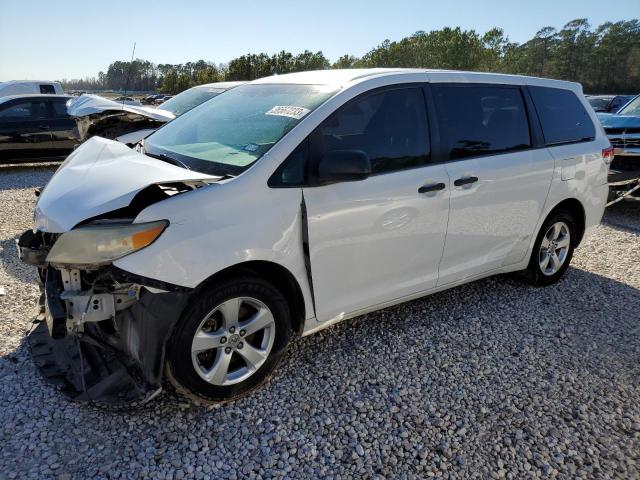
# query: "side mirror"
{"type": "Point", "coordinates": [343, 166]}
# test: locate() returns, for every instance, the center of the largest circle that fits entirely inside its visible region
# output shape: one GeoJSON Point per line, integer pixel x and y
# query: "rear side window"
{"type": "Point", "coordinates": [60, 109]}
{"type": "Point", "coordinates": [47, 89]}
{"type": "Point", "coordinates": [389, 126]}
{"type": "Point", "coordinates": [481, 120]}
{"type": "Point", "coordinates": [562, 115]}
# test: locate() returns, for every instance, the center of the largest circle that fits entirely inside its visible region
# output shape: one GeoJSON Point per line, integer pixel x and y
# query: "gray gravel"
{"type": "Point", "coordinates": [490, 380]}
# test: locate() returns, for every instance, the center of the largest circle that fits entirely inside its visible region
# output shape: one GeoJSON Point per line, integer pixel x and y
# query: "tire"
{"type": "Point", "coordinates": [534, 274]}
{"type": "Point", "coordinates": [229, 358]}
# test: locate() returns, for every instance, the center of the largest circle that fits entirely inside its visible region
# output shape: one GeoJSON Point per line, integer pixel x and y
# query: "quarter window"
{"type": "Point", "coordinates": [481, 120]}
{"type": "Point", "coordinates": [562, 116]}
{"type": "Point", "coordinates": [390, 127]}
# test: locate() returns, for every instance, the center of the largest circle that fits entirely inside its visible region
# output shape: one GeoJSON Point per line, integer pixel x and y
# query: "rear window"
{"type": "Point", "coordinates": [60, 108]}
{"type": "Point", "coordinates": [562, 115]}
{"type": "Point", "coordinates": [481, 120]}
{"type": "Point", "coordinates": [47, 89]}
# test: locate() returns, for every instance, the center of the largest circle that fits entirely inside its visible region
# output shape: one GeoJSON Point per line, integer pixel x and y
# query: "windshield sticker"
{"type": "Point", "coordinates": [215, 90]}
{"type": "Point", "coordinates": [289, 111]}
{"type": "Point", "coordinates": [251, 147]}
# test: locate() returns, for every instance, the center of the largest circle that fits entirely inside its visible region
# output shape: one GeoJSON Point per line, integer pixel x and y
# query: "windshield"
{"type": "Point", "coordinates": [227, 134]}
{"type": "Point", "coordinates": [632, 108]}
{"type": "Point", "coordinates": [189, 99]}
{"type": "Point", "coordinates": [599, 104]}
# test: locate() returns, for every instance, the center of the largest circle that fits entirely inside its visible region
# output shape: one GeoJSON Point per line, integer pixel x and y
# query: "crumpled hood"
{"type": "Point", "coordinates": [91, 104]}
{"type": "Point", "coordinates": [98, 116]}
{"type": "Point", "coordinates": [101, 176]}
{"type": "Point", "coordinates": [610, 120]}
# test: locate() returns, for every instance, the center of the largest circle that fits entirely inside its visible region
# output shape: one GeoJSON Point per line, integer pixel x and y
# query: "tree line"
{"type": "Point", "coordinates": [605, 59]}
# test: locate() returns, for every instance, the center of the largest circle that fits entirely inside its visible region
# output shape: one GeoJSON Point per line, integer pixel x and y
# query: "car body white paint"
{"type": "Point", "coordinates": [243, 219]}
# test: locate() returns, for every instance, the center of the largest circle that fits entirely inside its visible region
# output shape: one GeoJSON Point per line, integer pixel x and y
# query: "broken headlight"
{"type": "Point", "coordinates": [102, 244]}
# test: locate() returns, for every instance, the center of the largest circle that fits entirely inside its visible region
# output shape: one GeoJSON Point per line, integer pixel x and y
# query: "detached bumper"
{"type": "Point", "coordinates": [122, 365]}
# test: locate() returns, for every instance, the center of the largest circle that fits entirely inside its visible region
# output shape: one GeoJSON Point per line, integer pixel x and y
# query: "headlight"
{"type": "Point", "coordinates": [101, 244]}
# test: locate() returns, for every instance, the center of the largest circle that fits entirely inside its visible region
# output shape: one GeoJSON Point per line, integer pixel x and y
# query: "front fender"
{"type": "Point", "coordinates": [221, 226]}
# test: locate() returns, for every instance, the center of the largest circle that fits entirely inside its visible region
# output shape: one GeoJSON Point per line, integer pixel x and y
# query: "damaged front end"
{"type": "Point", "coordinates": [101, 332]}
{"type": "Point", "coordinates": [128, 124]}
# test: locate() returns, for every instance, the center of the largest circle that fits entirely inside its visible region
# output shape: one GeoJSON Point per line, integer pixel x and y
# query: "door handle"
{"type": "Point", "coordinates": [434, 187]}
{"type": "Point", "coordinates": [465, 181]}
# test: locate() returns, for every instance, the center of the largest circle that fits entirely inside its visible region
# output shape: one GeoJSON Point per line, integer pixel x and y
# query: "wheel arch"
{"type": "Point", "coordinates": [575, 208]}
{"type": "Point", "coordinates": [274, 273]}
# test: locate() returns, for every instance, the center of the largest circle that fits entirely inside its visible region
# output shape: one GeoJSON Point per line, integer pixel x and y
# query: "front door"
{"type": "Point", "coordinates": [24, 131]}
{"type": "Point", "coordinates": [379, 239]}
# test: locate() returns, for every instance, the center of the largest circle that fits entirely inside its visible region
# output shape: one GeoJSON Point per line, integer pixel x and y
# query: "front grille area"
{"type": "Point", "coordinates": [624, 142]}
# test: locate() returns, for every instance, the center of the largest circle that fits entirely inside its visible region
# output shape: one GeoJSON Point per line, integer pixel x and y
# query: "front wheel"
{"type": "Point", "coordinates": [552, 251]}
{"type": "Point", "coordinates": [229, 341]}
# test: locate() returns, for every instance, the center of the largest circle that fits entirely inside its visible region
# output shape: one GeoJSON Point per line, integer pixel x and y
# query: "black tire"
{"type": "Point", "coordinates": [534, 274]}
{"type": "Point", "coordinates": [180, 369]}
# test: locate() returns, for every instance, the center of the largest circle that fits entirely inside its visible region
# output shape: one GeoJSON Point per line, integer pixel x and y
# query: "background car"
{"type": "Point", "coordinates": [129, 124]}
{"type": "Point", "coordinates": [30, 87]}
{"type": "Point", "coordinates": [161, 99]}
{"type": "Point", "coordinates": [608, 103]}
{"type": "Point", "coordinates": [185, 101]}
{"type": "Point", "coordinates": [35, 127]}
{"type": "Point", "coordinates": [623, 130]}
{"type": "Point", "coordinates": [148, 100]}
{"type": "Point", "coordinates": [127, 101]}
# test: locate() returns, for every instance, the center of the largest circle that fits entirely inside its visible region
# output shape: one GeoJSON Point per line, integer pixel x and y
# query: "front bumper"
{"type": "Point", "coordinates": [105, 354]}
{"type": "Point", "coordinates": [117, 365]}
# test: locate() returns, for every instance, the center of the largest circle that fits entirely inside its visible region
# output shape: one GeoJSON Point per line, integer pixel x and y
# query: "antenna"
{"type": "Point", "coordinates": [126, 84]}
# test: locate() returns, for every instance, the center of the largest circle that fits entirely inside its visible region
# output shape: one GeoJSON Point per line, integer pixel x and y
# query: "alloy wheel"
{"type": "Point", "coordinates": [233, 341]}
{"type": "Point", "coordinates": [554, 248]}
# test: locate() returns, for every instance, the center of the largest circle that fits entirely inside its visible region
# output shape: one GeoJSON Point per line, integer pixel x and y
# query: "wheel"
{"type": "Point", "coordinates": [229, 340]}
{"type": "Point", "coordinates": [552, 251]}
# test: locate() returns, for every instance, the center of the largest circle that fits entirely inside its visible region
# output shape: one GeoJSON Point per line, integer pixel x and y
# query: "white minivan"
{"type": "Point", "coordinates": [294, 202]}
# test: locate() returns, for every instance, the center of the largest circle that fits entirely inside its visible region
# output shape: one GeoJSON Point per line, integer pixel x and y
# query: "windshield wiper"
{"type": "Point", "coordinates": [166, 158]}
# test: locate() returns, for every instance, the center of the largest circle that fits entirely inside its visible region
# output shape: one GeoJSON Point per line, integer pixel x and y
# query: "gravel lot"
{"type": "Point", "coordinates": [491, 380]}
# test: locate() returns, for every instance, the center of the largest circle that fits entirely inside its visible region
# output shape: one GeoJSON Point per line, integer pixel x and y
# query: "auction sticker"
{"type": "Point", "coordinates": [288, 111]}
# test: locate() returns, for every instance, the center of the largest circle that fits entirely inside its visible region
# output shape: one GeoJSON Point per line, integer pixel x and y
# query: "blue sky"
{"type": "Point", "coordinates": [71, 38]}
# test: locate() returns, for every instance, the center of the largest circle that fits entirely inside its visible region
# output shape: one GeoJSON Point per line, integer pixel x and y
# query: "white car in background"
{"type": "Point", "coordinates": [295, 202]}
{"type": "Point", "coordinates": [30, 87]}
{"type": "Point", "coordinates": [127, 121]}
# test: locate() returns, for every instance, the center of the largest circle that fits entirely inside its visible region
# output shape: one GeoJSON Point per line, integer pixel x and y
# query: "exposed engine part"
{"type": "Point", "coordinates": [84, 306]}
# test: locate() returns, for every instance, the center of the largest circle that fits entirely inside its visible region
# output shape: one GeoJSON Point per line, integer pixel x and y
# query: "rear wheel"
{"type": "Point", "coordinates": [553, 250]}
{"type": "Point", "coordinates": [229, 341]}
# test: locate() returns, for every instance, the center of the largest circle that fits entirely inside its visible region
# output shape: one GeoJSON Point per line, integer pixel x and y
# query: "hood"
{"type": "Point", "coordinates": [610, 120]}
{"type": "Point", "coordinates": [95, 115]}
{"type": "Point", "coordinates": [103, 176]}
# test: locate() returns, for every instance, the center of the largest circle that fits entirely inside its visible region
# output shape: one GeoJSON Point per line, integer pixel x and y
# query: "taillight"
{"type": "Point", "coordinates": [607, 155]}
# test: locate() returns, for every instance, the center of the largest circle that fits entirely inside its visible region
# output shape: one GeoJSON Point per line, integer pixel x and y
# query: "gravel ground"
{"type": "Point", "coordinates": [491, 380]}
